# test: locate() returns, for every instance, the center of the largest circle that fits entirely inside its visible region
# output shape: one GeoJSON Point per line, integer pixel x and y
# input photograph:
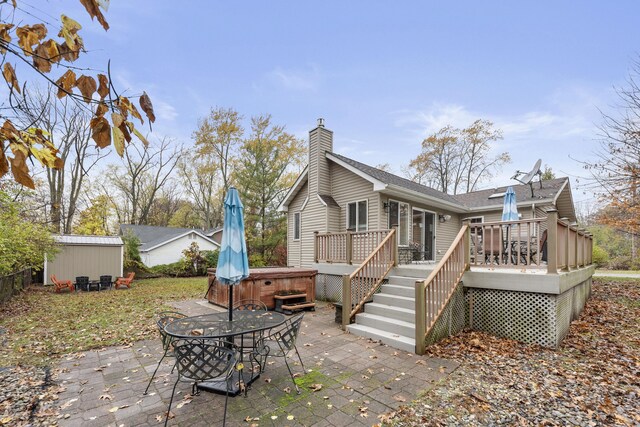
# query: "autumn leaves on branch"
{"type": "Point", "coordinates": [29, 44]}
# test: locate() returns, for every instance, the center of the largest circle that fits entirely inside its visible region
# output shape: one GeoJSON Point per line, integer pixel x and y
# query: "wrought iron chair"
{"type": "Point", "coordinates": [82, 283]}
{"type": "Point", "coordinates": [279, 343]}
{"type": "Point", "coordinates": [202, 360]}
{"type": "Point", "coordinates": [162, 319]}
{"type": "Point", "coordinates": [493, 246]}
{"type": "Point", "coordinates": [249, 304]}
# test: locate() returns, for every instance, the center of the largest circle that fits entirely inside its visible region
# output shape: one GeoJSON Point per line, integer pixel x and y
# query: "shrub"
{"type": "Point", "coordinates": [182, 268]}
{"type": "Point", "coordinates": [600, 256]}
{"type": "Point", "coordinates": [620, 263]}
{"type": "Point", "coordinates": [210, 259]}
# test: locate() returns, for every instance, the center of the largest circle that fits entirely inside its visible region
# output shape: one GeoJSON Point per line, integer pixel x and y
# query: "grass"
{"type": "Point", "coordinates": [604, 271]}
{"type": "Point", "coordinates": [39, 325]}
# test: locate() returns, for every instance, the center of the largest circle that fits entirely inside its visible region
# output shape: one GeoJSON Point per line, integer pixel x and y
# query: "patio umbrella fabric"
{"type": "Point", "coordinates": [510, 209]}
{"type": "Point", "coordinates": [233, 264]}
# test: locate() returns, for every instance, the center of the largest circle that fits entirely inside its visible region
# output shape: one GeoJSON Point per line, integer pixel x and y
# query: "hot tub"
{"type": "Point", "coordinates": [262, 284]}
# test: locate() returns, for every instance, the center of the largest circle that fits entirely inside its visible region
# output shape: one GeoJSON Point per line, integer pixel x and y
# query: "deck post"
{"type": "Point", "coordinates": [395, 246]}
{"type": "Point", "coordinates": [467, 244]}
{"type": "Point", "coordinates": [421, 308]}
{"type": "Point", "coordinates": [349, 248]}
{"type": "Point", "coordinates": [346, 301]}
{"type": "Point", "coordinates": [315, 247]}
{"type": "Point", "coordinates": [552, 241]}
{"type": "Point", "coordinates": [582, 245]}
{"type": "Point", "coordinates": [566, 245]}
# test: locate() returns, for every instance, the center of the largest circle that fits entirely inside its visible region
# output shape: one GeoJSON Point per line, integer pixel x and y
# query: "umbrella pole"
{"type": "Point", "coordinates": [230, 303]}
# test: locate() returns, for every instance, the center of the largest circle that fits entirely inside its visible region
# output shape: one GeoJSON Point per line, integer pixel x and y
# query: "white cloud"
{"type": "Point", "coordinates": [307, 79]}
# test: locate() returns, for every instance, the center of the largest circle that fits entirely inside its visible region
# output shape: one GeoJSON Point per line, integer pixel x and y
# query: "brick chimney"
{"type": "Point", "coordinates": [320, 141]}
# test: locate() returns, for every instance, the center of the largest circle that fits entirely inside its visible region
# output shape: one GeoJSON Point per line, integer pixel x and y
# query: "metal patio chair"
{"type": "Point", "coordinates": [105, 282]}
{"type": "Point", "coordinates": [82, 283]}
{"type": "Point", "coordinates": [202, 360]}
{"type": "Point", "coordinates": [249, 304]}
{"type": "Point", "coordinates": [279, 343]}
{"type": "Point", "coordinates": [162, 319]}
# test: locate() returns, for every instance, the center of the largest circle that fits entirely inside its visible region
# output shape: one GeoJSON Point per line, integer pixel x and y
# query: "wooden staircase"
{"type": "Point", "coordinates": [390, 318]}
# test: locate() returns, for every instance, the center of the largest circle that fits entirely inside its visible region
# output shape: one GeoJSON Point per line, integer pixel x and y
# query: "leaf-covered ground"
{"type": "Point", "coordinates": [38, 324]}
{"type": "Point", "coordinates": [592, 379]}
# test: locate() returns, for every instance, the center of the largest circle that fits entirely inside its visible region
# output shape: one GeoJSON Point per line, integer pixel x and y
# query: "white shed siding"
{"type": "Point", "coordinates": [85, 260]}
{"type": "Point", "coordinates": [172, 251]}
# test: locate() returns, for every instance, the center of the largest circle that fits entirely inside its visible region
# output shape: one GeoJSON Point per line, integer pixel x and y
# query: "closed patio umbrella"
{"type": "Point", "coordinates": [233, 264]}
{"type": "Point", "coordinates": [510, 209]}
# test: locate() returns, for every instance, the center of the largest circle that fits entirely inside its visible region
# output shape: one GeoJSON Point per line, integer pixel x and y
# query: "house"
{"type": "Point", "coordinates": [91, 256]}
{"type": "Point", "coordinates": [372, 233]}
{"type": "Point", "coordinates": [164, 245]}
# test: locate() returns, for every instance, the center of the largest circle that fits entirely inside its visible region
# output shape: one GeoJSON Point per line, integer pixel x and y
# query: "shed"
{"type": "Point", "coordinates": [91, 256]}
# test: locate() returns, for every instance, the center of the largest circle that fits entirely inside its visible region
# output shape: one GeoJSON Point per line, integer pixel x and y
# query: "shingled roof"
{"type": "Point", "coordinates": [151, 235]}
{"type": "Point", "coordinates": [391, 179]}
{"type": "Point", "coordinates": [480, 199]}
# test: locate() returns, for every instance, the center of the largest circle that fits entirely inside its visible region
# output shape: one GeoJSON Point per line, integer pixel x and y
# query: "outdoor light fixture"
{"type": "Point", "coordinates": [385, 206]}
{"type": "Point", "coordinates": [444, 218]}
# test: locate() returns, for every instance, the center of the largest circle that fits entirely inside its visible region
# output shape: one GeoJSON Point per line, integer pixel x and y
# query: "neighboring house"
{"type": "Point", "coordinates": [357, 225]}
{"type": "Point", "coordinates": [164, 245]}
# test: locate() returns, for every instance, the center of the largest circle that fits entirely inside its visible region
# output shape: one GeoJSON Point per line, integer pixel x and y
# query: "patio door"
{"type": "Point", "coordinates": [424, 234]}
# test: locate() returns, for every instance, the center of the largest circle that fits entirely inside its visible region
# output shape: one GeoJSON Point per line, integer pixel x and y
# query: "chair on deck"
{"type": "Point", "coordinates": [279, 343]}
{"type": "Point", "coordinates": [162, 319]}
{"type": "Point", "coordinates": [124, 281]}
{"type": "Point", "coordinates": [543, 245]}
{"type": "Point", "coordinates": [82, 283]}
{"type": "Point", "coordinates": [251, 305]}
{"type": "Point", "coordinates": [492, 245]}
{"type": "Point", "coordinates": [61, 284]}
{"type": "Point", "coordinates": [202, 360]}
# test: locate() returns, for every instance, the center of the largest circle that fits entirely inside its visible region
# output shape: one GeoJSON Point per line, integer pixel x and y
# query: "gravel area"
{"type": "Point", "coordinates": [592, 380]}
{"type": "Point", "coordinates": [28, 397]}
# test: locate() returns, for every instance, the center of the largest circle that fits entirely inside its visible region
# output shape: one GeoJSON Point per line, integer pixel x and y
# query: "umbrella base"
{"type": "Point", "coordinates": [238, 378]}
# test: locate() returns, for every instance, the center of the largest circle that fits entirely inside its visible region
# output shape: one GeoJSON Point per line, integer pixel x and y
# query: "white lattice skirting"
{"type": "Point", "coordinates": [531, 317]}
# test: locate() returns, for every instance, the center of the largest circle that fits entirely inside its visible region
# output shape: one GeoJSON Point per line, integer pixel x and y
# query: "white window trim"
{"type": "Point", "coordinates": [409, 219]}
{"type": "Point", "coordinates": [474, 217]}
{"type": "Point", "coordinates": [346, 211]}
{"type": "Point", "coordinates": [299, 221]}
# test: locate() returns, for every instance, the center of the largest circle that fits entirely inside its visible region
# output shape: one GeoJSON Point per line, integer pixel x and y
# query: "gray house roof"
{"type": "Point", "coordinates": [151, 236]}
{"type": "Point", "coordinates": [481, 199]}
{"type": "Point", "coordinates": [391, 179]}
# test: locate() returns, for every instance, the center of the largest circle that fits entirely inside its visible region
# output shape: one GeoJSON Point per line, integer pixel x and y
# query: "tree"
{"type": "Point", "coordinates": [139, 180]}
{"type": "Point", "coordinates": [547, 173]}
{"type": "Point", "coordinates": [23, 243]}
{"type": "Point", "coordinates": [185, 217]}
{"type": "Point", "coordinates": [27, 43]}
{"type": "Point", "coordinates": [264, 175]}
{"type": "Point", "coordinates": [67, 125]}
{"type": "Point", "coordinates": [208, 173]}
{"type": "Point", "coordinates": [615, 174]}
{"type": "Point", "coordinates": [457, 160]}
{"type": "Point", "coordinates": [94, 220]}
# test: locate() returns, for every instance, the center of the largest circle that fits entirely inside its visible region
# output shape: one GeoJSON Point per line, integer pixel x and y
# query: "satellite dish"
{"type": "Point", "coordinates": [528, 177]}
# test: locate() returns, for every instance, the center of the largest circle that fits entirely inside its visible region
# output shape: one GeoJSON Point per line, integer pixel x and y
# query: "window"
{"type": "Point", "coordinates": [296, 226]}
{"type": "Point", "coordinates": [357, 216]}
{"type": "Point", "coordinates": [399, 217]}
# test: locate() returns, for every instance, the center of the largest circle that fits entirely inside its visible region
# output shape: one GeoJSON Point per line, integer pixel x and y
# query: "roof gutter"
{"type": "Point", "coordinates": [421, 197]}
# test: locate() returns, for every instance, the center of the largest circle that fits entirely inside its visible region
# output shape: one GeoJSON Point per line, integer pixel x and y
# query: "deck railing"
{"type": "Point", "coordinates": [434, 293]}
{"type": "Point", "coordinates": [359, 286]}
{"type": "Point", "coordinates": [347, 247]}
{"type": "Point", "coordinates": [570, 247]}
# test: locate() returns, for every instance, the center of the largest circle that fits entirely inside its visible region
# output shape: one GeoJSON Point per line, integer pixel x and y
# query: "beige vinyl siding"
{"type": "Point", "coordinates": [347, 187]}
{"type": "Point", "coordinates": [85, 260]}
{"type": "Point", "coordinates": [324, 180]}
{"type": "Point", "coordinates": [314, 218]}
{"type": "Point", "coordinates": [333, 218]}
{"type": "Point", "coordinates": [293, 246]}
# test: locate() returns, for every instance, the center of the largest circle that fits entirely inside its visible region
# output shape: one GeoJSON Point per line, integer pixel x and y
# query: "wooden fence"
{"type": "Point", "coordinates": [12, 284]}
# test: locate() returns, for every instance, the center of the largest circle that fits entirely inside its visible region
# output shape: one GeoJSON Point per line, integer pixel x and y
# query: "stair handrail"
{"type": "Point", "coordinates": [434, 293]}
{"type": "Point", "coordinates": [369, 276]}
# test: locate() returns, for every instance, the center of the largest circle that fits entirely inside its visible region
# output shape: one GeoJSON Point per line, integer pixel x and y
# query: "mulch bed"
{"type": "Point", "coordinates": [592, 379]}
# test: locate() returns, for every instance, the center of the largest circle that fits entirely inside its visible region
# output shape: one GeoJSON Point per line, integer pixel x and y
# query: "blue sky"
{"type": "Point", "coordinates": [383, 74]}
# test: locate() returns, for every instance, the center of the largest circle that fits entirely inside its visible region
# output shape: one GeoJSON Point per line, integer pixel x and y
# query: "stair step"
{"type": "Point", "coordinates": [386, 324]}
{"type": "Point", "coordinates": [403, 291]}
{"type": "Point", "coordinates": [393, 312]}
{"type": "Point", "coordinates": [393, 340]}
{"type": "Point", "coordinates": [404, 280]}
{"type": "Point", "coordinates": [395, 300]}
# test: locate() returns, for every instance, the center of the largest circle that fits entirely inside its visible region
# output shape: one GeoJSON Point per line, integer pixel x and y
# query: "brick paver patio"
{"type": "Point", "coordinates": [360, 379]}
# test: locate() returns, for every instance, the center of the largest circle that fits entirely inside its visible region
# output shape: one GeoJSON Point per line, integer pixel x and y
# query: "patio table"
{"type": "Point", "coordinates": [246, 325]}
